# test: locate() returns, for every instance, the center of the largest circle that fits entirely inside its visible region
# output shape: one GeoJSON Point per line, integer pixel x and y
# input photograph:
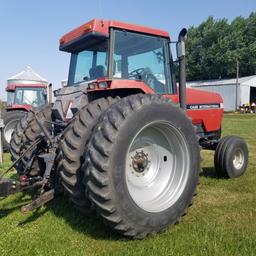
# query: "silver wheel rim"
{"type": "Point", "coordinates": [157, 166]}
{"type": "Point", "coordinates": [238, 159]}
{"type": "Point", "coordinates": [8, 129]}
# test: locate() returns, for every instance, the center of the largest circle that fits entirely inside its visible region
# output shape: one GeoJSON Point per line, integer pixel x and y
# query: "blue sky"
{"type": "Point", "coordinates": [30, 29]}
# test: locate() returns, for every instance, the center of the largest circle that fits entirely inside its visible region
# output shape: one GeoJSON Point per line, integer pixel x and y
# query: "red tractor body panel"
{"type": "Point", "coordinates": [127, 84]}
{"type": "Point", "coordinates": [205, 108]}
{"type": "Point", "coordinates": [103, 26]}
{"type": "Point", "coordinates": [12, 87]}
{"type": "Point", "coordinates": [25, 107]}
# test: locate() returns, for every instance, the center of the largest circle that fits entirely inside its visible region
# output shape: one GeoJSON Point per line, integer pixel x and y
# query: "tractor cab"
{"type": "Point", "coordinates": [26, 89]}
{"type": "Point", "coordinates": [116, 51]}
{"type": "Point", "coordinates": [20, 99]}
{"type": "Point", "coordinates": [21, 95]}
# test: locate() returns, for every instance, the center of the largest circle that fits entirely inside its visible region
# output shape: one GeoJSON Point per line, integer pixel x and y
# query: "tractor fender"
{"type": "Point", "coordinates": [68, 97]}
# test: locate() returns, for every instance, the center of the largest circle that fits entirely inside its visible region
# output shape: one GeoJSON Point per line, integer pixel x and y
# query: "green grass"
{"type": "Point", "coordinates": [222, 220]}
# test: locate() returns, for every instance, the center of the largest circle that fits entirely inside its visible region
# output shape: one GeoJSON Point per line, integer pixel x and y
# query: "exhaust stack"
{"type": "Point", "coordinates": [50, 93]}
{"type": "Point", "coordinates": [180, 47]}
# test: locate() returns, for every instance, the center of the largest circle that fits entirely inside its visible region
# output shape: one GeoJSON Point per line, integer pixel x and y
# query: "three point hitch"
{"type": "Point", "coordinates": [9, 186]}
{"type": "Point", "coordinates": [43, 185]}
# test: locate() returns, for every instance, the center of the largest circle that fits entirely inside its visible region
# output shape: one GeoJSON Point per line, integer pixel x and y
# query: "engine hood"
{"type": "Point", "coordinates": [196, 96]}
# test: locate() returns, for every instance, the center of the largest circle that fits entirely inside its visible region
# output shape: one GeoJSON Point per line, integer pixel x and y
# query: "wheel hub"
{"type": "Point", "coordinates": [157, 166]}
{"type": "Point", "coordinates": [140, 161]}
{"type": "Point", "coordinates": [238, 159]}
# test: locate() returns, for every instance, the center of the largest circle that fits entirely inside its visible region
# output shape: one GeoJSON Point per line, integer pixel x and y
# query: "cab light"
{"type": "Point", "coordinates": [103, 85]}
{"type": "Point", "coordinates": [62, 41]}
{"type": "Point", "coordinates": [87, 27]}
{"type": "Point", "coordinates": [92, 86]}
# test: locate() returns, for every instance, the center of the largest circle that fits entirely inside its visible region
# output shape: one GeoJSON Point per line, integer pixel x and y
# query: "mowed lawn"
{"type": "Point", "coordinates": [221, 221]}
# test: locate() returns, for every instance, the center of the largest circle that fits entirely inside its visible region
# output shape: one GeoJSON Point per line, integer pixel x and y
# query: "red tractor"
{"type": "Point", "coordinates": [131, 150]}
{"type": "Point", "coordinates": [22, 95]}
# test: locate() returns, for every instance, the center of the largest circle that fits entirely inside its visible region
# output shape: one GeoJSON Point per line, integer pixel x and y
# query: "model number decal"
{"type": "Point", "coordinates": [203, 106]}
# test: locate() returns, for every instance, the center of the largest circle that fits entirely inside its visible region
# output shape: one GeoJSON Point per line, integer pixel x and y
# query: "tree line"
{"type": "Point", "coordinates": [214, 48]}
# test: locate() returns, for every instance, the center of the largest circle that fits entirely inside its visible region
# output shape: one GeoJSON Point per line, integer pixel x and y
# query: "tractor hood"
{"type": "Point", "coordinates": [200, 97]}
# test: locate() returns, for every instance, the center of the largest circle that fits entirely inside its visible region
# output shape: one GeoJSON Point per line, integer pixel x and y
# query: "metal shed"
{"type": "Point", "coordinates": [234, 93]}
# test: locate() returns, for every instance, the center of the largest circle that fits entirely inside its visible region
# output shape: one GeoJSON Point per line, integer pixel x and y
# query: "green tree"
{"type": "Point", "coordinates": [215, 46]}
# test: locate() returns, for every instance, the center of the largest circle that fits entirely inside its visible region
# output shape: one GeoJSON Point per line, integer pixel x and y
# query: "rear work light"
{"type": "Point", "coordinates": [103, 85]}
{"type": "Point", "coordinates": [92, 86]}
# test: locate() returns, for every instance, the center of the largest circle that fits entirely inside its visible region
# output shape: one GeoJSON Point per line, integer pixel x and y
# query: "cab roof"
{"type": "Point", "coordinates": [13, 87]}
{"type": "Point", "coordinates": [102, 27]}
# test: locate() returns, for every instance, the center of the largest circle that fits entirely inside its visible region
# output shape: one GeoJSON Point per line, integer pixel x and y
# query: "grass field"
{"type": "Point", "coordinates": [222, 220]}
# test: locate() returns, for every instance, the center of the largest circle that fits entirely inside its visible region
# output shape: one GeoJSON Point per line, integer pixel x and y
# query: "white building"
{"type": "Point", "coordinates": [233, 93]}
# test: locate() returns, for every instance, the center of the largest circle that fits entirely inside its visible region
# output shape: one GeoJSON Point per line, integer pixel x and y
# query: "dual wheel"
{"type": "Point", "coordinates": [136, 161]}
{"type": "Point", "coordinates": [131, 161]}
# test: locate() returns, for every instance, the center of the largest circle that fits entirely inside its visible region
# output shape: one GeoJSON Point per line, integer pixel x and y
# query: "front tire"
{"type": "Point", "coordinates": [231, 157]}
{"type": "Point", "coordinates": [143, 165]}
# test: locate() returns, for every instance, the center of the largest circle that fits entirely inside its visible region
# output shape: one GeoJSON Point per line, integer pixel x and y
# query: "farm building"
{"type": "Point", "coordinates": [234, 94]}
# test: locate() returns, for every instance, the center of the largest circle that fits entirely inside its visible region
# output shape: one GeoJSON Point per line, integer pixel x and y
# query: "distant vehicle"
{"type": "Point", "coordinates": [24, 91]}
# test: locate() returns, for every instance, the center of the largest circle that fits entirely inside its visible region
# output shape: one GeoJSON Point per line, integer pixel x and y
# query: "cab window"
{"type": "Point", "coordinates": [141, 57]}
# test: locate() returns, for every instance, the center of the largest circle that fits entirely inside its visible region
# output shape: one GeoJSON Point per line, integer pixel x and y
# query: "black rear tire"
{"type": "Point", "coordinates": [107, 164]}
{"type": "Point", "coordinates": [72, 149]}
{"type": "Point", "coordinates": [16, 140]}
{"type": "Point", "coordinates": [231, 157]}
{"type": "Point", "coordinates": [31, 134]}
{"type": "Point", "coordinates": [11, 119]}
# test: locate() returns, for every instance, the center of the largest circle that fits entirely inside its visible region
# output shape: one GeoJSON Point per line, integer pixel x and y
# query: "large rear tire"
{"type": "Point", "coordinates": [31, 134]}
{"type": "Point", "coordinates": [72, 149]}
{"type": "Point", "coordinates": [17, 136]}
{"type": "Point", "coordinates": [143, 163]}
{"type": "Point", "coordinates": [11, 119]}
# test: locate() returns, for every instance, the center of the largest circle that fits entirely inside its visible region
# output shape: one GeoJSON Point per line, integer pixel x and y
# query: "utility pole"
{"type": "Point", "coordinates": [237, 76]}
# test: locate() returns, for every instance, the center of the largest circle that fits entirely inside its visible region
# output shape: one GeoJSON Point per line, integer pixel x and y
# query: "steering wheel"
{"type": "Point", "coordinates": [137, 73]}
